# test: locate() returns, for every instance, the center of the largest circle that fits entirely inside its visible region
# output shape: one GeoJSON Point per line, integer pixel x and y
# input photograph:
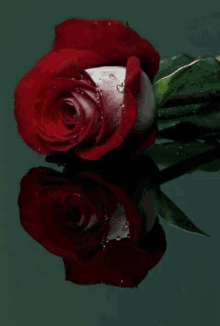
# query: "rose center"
{"type": "Point", "coordinates": [74, 215]}
{"type": "Point", "coordinates": [68, 110]}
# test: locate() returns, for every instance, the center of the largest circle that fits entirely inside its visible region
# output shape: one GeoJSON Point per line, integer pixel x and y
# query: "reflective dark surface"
{"type": "Point", "coordinates": [183, 289]}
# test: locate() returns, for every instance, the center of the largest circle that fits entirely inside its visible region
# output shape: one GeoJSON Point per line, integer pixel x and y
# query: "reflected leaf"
{"type": "Point", "coordinates": [173, 215]}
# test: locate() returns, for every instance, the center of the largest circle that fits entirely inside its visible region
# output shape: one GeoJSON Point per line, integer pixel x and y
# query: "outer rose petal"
{"type": "Point", "coordinates": [111, 39]}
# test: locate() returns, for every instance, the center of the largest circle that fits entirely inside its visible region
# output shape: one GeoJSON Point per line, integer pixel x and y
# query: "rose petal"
{"type": "Point", "coordinates": [111, 39]}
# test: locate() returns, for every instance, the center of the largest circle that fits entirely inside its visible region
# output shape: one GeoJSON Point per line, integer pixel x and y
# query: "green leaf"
{"type": "Point", "coordinates": [204, 76]}
{"type": "Point", "coordinates": [166, 86]}
{"type": "Point", "coordinates": [170, 153]}
{"type": "Point", "coordinates": [198, 75]}
{"type": "Point", "coordinates": [169, 65]}
{"type": "Point", "coordinates": [173, 215]}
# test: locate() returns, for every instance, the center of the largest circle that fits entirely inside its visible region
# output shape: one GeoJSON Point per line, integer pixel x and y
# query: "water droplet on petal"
{"type": "Point", "coordinates": [118, 238]}
{"type": "Point", "coordinates": [125, 228]}
{"type": "Point", "coordinates": [107, 240]}
{"type": "Point", "coordinates": [120, 88]}
{"type": "Point", "coordinates": [112, 76]}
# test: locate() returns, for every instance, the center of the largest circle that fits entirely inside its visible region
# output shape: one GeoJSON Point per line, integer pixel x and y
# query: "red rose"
{"type": "Point", "coordinates": [90, 91]}
{"type": "Point", "coordinates": [82, 221]}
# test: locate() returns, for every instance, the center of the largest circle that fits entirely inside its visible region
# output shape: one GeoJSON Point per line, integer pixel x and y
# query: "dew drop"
{"type": "Point", "coordinates": [107, 240]}
{"type": "Point", "coordinates": [109, 24]}
{"type": "Point", "coordinates": [125, 228]}
{"type": "Point", "coordinates": [118, 238]}
{"type": "Point", "coordinates": [112, 76]}
{"type": "Point", "coordinates": [120, 88]}
{"type": "Point", "coordinates": [103, 246]}
{"type": "Point", "coordinates": [122, 281]}
{"type": "Point", "coordinates": [178, 153]}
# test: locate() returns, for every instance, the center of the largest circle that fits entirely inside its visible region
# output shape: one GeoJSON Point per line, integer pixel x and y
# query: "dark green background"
{"type": "Point", "coordinates": [184, 288]}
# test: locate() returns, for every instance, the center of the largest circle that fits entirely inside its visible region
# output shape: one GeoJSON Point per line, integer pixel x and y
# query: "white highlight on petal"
{"type": "Point", "coordinates": [111, 80]}
{"type": "Point", "coordinates": [118, 222]}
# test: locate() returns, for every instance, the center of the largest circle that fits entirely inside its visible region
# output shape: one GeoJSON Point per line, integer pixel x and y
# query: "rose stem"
{"type": "Point", "coordinates": [176, 170]}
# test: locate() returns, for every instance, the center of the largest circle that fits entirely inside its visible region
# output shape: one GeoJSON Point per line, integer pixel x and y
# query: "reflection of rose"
{"type": "Point", "coordinates": [90, 91]}
{"type": "Point", "coordinates": [93, 225]}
